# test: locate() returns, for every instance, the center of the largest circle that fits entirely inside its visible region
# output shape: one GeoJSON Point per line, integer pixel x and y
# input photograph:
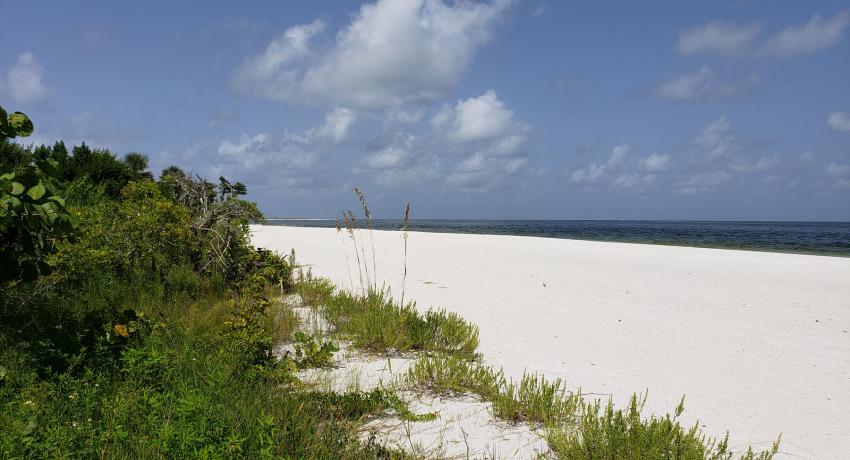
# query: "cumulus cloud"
{"type": "Point", "coordinates": [393, 156]}
{"type": "Point", "coordinates": [262, 153]}
{"type": "Point", "coordinates": [815, 35]}
{"type": "Point", "coordinates": [336, 124]}
{"type": "Point", "coordinates": [736, 40]}
{"type": "Point", "coordinates": [621, 172]}
{"type": "Point", "coordinates": [687, 85]}
{"type": "Point", "coordinates": [716, 139]}
{"type": "Point", "coordinates": [837, 170]}
{"type": "Point", "coordinates": [840, 173]}
{"type": "Point", "coordinates": [403, 162]}
{"type": "Point", "coordinates": [839, 121]}
{"type": "Point", "coordinates": [703, 84]}
{"type": "Point", "coordinates": [392, 53]}
{"type": "Point", "coordinates": [718, 37]}
{"type": "Point", "coordinates": [657, 162]}
{"type": "Point", "coordinates": [596, 172]}
{"type": "Point", "coordinates": [717, 146]}
{"type": "Point", "coordinates": [703, 182]}
{"type": "Point", "coordinates": [24, 82]}
{"type": "Point", "coordinates": [480, 118]}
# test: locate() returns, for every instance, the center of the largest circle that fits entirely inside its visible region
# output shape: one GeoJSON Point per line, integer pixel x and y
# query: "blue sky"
{"type": "Point", "coordinates": [710, 110]}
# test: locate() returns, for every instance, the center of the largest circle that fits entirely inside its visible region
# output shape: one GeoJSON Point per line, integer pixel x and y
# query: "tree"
{"type": "Point", "coordinates": [33, 217]}
{"type": "Point", "coordinates": [137, 164]}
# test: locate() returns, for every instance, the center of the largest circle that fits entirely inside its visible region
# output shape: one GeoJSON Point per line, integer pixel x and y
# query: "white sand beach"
{"type": "Point", "coordinates": [758, 342]}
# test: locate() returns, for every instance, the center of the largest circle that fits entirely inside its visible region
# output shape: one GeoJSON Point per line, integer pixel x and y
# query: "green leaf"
{"type": "Point", "coordinates": [17, 188]}
{"type": "Point", "coordinates": [7, 176]}
{"type": "Point", "coordinates": [21, 124]}
{"type": "Point", "coordinates": [57, 199]}
{"type": "Point", "coordinates": [37, 191]}
{"type": "Point", "coordinates": [12, 202]}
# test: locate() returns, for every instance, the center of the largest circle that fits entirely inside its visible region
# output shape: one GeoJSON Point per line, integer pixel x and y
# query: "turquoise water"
{"type": "Point", "coordinates": [824, 238]}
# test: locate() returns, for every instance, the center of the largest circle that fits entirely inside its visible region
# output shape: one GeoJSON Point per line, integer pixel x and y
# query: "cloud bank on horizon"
{"type": "Point", "coordinates": [469, 109]}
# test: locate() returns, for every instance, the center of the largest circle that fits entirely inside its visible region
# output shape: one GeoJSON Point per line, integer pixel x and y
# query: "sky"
{"type": "Point", "coordinates": [502, 109]}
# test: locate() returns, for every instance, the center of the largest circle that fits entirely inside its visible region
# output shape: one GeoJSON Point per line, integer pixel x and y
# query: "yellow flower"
{"type": "Point", "coordinates": [121, 330]}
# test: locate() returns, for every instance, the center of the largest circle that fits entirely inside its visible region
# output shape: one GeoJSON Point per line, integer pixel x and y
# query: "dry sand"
{"type": "Point", "coordinates": [758, 342]}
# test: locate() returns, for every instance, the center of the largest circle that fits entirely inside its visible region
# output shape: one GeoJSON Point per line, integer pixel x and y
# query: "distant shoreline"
{"type": "Point", "coordinates": [810, 238]}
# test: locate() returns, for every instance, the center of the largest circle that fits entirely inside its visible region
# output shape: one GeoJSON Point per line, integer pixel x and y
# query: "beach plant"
{"type": "Point", "coordinates": [535, 399]}
{"type": "Point", "coordinates": [450, 374]}
{"type": "Point", "coordinates": [315, 291]}
{"type": "Point", "coordinates": [311, 352]}
{"type": "Point", "coordinates": [377, 323]}
{"type": "Point", "coordinates": [33, 216]}
{"type": "Point", "coordinates": [404, 222]}
{"type": "Point", "coordinates": [601, 431]}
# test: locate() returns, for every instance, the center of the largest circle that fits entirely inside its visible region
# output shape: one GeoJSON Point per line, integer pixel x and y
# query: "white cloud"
{"type": "Point", "coordinates": [703, 182]}
{"type": "Point", "coordinates": [634, 181]}
{"type": "Point", "coordinates": [393, 53]}
{"type": "Point", "coordinates": [766, 162]}
{"type": "Point", "coordinates": [388, 158]}
{"type": "Point", "coordinates": [657, 162]}
{"type": "Point", "coordinates": [263, 154]}
{"type": "Point", "coordinates": [480, 118]}
{"type": "Point", "coordinates": [539, 10]}
{"type": "Point", "coordinates": [815, 35]}
{"type": "Point", "coordinates": [688, 85]}
{"type": "Point", "coordinates": [702, 84]}
{"type": "Point", "coordinates": [336, 124]}
{"type": "Point", "coordinates": [736, 40]}
{"type": "Point", "coordinates": [806, 157]}
{"type": "Point", "coordinates": [24, 82]}
{"type": "Point", "coordinates": [618, 155]}
{"type": "Point", "coordinates": [595, 172]}
{"type": "Point", "coordinates": [395, 155]}
{"type": "Point", "coordinates": [506, 146]}
{"type": "Point", "coordinates": [473, 163]}
{"type": "Point", "coordinates": [514, 165]}
{"type": "Point", "coordinates": [716, 139]}
{"type": "Point", "coordinates": [836, 170]}
{"type": "Point", "coordinates": [719, 37]}
{"type": "Point", "coordinates": [839, 121]}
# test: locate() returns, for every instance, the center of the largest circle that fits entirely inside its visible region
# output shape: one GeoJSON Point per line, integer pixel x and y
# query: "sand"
{"type": "Point", "coordinates": [758, 342]}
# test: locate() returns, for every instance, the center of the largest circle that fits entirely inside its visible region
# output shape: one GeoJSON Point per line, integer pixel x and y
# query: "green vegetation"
{"type": "Point", "coordinates": [137, 322]}
{"type": "Point", "coordinates": [376, 323]}
{"type": "Point", "coordinates": [310, 352]}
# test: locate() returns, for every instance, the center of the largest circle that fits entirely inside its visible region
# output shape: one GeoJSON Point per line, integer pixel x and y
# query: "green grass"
{"type": "Point", "coordinates": [447, 374]}
{"type": "Point", "coordinates": [601, 431]}
{"type": "Point", "coordinates": [575, 429]}
{"type": "Point", "coordinates": [315, 291]}
{"type": "Point", "coordinates": [377, 323]}
{"type": "Point", "coordinates": [183, 389]}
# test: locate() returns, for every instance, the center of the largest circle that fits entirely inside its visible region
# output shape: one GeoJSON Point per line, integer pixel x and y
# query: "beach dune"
{"type": "Point", "coordinates": [757, 342]}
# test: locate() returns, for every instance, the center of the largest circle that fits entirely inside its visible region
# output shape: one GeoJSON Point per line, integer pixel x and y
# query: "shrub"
{"type": "Point", "coordinates": [603, 432]}
{"type": "Point", "coordinates": [315, 291]}
{"type": "Point", "coordinates": [375, 322]}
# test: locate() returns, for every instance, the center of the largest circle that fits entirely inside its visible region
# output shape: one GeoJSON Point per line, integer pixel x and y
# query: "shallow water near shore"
{"type": "Point", "coordinates": [820, 238]}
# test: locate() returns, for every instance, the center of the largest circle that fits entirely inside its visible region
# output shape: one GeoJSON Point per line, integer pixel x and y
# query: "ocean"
{"type": "Point", "coordinates": [820, 238]}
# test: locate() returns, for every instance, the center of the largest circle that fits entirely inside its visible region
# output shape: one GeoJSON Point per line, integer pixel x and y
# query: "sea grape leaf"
{"type": "Point", "coordinates": [21, 124]}
{"type": "Point", "coordinates": [37, 191]}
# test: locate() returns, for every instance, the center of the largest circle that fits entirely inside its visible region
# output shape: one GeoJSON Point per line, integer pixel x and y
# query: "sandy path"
{"type": "Point", "coordinates": [758, 342]}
